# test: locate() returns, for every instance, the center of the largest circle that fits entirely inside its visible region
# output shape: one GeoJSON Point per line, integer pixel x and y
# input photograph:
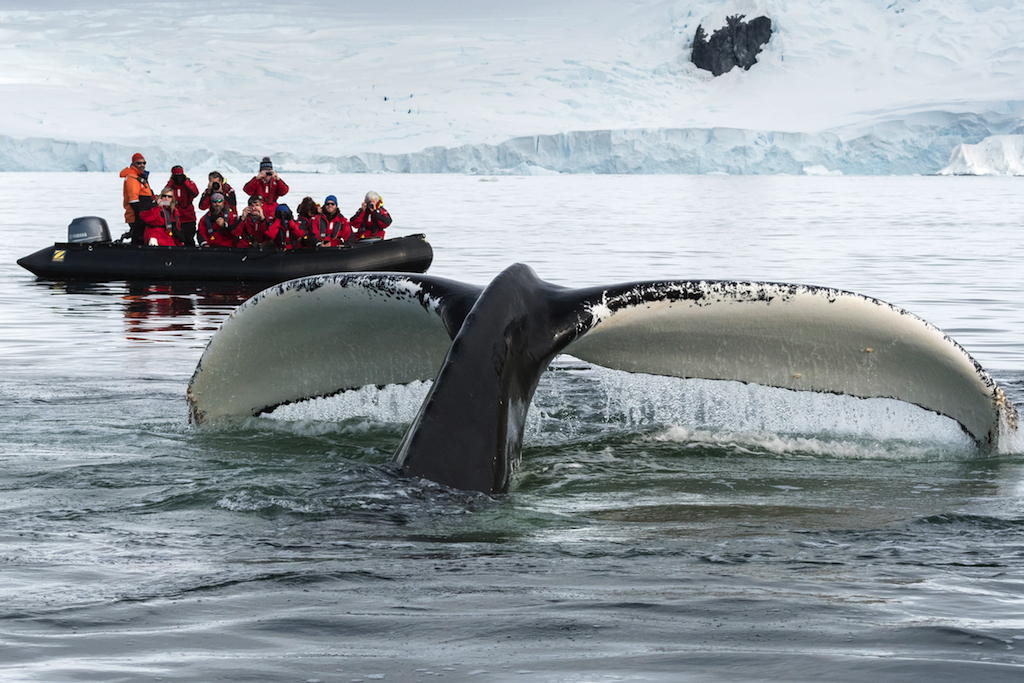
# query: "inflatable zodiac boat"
{"type": "Point", "coordinates": [90, 254]}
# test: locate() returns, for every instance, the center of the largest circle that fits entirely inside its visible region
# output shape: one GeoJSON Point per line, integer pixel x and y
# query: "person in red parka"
{"type": "Point", "coordinates": [162, 222]}
{"type": "Point", "coordinates": [330, 228]}
{"type": "Point", "coordinates": [289, 234]}
{"type": "Point", "coordinates": [307, 213]}
{"type": "Point", "coordinates": [218, 184]}
{"type": "Point", "coordinates": [371, 219]}
{"type": "Point", "coordinates": [268, 186]}
{"type": "Point", "coordinates": [185, 192]}
{"type": "Point", "coordinates": [253, 228]}
{"type": "Point", "coordinates": [217, 227]}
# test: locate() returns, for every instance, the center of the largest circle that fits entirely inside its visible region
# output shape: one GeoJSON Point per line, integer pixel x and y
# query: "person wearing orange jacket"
{"type": "Point", "coordinates": [268, 186]}
{"type": "Point", "coordinates": [138, 196]}
{"type": "Point", "coordinates": [185, 192]}
{"type": "Point", "coordinates": [371, 219]}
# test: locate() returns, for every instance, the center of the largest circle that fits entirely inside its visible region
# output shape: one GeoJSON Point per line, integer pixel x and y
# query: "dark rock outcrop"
{"type": "Point", "coordinates": [735, 44]}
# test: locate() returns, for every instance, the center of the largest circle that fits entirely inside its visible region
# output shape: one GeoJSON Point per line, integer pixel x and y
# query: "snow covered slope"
{"type": "Point", "coordinates": [857, 86]}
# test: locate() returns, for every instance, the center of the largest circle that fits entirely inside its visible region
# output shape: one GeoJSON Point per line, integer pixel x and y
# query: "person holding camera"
{"type": "Point", "coordinates": [268, 186]}
{"type": "Point", "coordinates": [162, 222]}
{"type": "Point", "coordinates": [252, 229]}
{"type": "Point", "coordinates": [218, 184]}
{"type": "Point", "coordinates": [371, 219]}
{"type": "Point", "coordinates": [217, 228]}
{"type": "Point", "coordinates": [286, 231]}
{"type": "Point", "coordinates": [185, 192]}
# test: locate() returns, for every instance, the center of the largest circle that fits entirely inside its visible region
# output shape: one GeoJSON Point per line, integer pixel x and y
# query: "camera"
{"type": "Point", "coordinates": [216, 186]}
{"type": "Point", "coordinates": [178, 177]}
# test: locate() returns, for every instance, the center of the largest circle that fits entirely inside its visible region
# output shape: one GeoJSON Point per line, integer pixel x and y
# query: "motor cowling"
{"type": "Point", "coordinates": [88, 229]}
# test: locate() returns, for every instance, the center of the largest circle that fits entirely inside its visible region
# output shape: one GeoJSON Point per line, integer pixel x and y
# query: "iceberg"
{"type": "Point", "coordinates": [995, 155]}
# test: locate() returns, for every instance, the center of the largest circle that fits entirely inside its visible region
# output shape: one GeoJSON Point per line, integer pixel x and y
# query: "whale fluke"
{"type": "Point", "coordinates": [486, 348]}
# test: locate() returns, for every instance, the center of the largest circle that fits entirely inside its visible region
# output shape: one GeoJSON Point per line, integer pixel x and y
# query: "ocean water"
{"type": "Point", "coordinates": [659, 529]}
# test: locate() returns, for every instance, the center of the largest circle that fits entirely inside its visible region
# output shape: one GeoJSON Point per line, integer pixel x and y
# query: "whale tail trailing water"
{"type": "Point", "coordinates": [486, 348]}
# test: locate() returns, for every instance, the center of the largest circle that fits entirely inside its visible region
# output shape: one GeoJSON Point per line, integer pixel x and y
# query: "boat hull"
{"type": "Point", "coordinates": [103, 261]}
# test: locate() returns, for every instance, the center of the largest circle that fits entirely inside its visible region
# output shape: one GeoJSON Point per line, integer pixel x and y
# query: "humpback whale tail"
{"type": "Point", "coordinates": [486, 348]}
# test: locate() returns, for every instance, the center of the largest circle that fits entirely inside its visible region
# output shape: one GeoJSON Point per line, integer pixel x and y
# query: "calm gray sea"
{"type": "Point", "coordinates": [660, 529]}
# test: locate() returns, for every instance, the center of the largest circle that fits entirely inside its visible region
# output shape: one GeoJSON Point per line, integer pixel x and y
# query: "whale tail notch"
{"type": "Point", "coordinates": [486, 348]}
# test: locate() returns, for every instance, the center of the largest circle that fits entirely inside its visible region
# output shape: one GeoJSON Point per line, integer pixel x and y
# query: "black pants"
{"type": "Point", "coordinates": [188, 234]}
{"type": "Point", "coordinates": [138, 230]}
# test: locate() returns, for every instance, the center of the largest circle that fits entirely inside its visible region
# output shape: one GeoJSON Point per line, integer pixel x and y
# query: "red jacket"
{"type": "Point", "coordinates": [269, 192]}
{"type": "Point", "coordinates": [330, 232]}
{"type": "Point", "coordinates": [219, 236]}
{"type": "Point", "coordinates": [184, 195]}
{"type": "Point", "coordinates": [371, 225]}
{"type": "Point", "coordinates": [226, 190]}
{"type": "Point", "coordinates": [162, 224]}
{"type": "Point", "coordinates": [251, 231]}
{"type": "Point", "coordinates": [287, 236]}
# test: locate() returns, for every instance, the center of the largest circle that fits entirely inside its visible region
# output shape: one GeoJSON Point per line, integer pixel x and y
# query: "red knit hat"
{"type": "Point", "coordinates": [138, 157]}
{"type": "Point", "coordinates": [177, 169]}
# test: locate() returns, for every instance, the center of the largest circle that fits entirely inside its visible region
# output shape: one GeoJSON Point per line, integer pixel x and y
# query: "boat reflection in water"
{"type": "Point", "coordinates": [180, 307]}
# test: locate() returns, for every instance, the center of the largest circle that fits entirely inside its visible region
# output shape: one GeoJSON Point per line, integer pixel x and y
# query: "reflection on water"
{"type": "Point", "coordinates": [179, 307]}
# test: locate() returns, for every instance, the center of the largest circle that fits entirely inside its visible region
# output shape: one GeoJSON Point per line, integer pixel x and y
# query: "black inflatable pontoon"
{"type": "Point", "coordinates": [91, 255]}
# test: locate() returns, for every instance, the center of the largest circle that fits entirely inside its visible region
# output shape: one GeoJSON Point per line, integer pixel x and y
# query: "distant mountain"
{"type": "Point", "coordinates": [851, 86]}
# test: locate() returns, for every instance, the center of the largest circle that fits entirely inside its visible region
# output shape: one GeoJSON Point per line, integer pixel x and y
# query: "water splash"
{"type": "Point", "coordinates": [591, 400]}
{"type": "Point", "coordinates": [388, 404]}
{"type": "Point", "coordinates": [577, 402]}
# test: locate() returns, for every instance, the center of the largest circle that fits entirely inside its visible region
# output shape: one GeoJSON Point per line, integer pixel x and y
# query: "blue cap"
{"type": "Point", "coordinates": [282, 208]}
{"type": "Point", "coordinates": [331, 198]}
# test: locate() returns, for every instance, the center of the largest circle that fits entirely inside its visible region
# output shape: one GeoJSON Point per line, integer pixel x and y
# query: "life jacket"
{"type": "Point", "coordinates": [219, 237]}
{"type": "Point", "coordinates": [331, 232]}
{"type": "Point", "coordinates": [288, 234]}
{"type": "Point", "coordinates": [162, 224]}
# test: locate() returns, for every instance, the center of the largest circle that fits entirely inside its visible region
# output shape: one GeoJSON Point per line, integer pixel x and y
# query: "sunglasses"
{"type": "Point", "coordinates": [330, 204]}
{"type": "Point", "coordinates": [218, 201]}
{"type": "Point", "coordinates": [138, 163]}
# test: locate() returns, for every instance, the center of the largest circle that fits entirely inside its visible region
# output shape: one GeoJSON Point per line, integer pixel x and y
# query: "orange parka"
{"type": "Point", "coordinates": [136, 184]}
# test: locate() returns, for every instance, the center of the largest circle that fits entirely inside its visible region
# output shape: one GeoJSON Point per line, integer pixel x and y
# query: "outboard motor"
{"type": "Point", "coordinates": [88, 229]}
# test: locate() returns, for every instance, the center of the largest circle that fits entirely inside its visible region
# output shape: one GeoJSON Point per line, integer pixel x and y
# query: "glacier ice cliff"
{"type": "Point", "coordinates": [919, 143]}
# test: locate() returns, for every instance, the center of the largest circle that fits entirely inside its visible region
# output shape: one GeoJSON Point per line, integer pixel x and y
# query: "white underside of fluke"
{"type": "Point", "coordinates": [314, 337]}
{"type": "Point", "coordinates": [793, 337]}
{"type": "Point", "coordinates": [317, 336]}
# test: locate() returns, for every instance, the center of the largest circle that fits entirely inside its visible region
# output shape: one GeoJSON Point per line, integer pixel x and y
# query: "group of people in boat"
{"type": "Point", "coordinates": [169, 218]}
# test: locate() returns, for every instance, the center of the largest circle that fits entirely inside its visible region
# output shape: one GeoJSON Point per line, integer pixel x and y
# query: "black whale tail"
{"type": "Point", "coordinates": [469, 431]}
{"type": "Point", "coordinates": [486, 349]}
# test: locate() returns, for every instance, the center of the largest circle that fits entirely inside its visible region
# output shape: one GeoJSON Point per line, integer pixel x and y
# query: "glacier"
{"type": "Point", "coordinates": [531, 87]}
